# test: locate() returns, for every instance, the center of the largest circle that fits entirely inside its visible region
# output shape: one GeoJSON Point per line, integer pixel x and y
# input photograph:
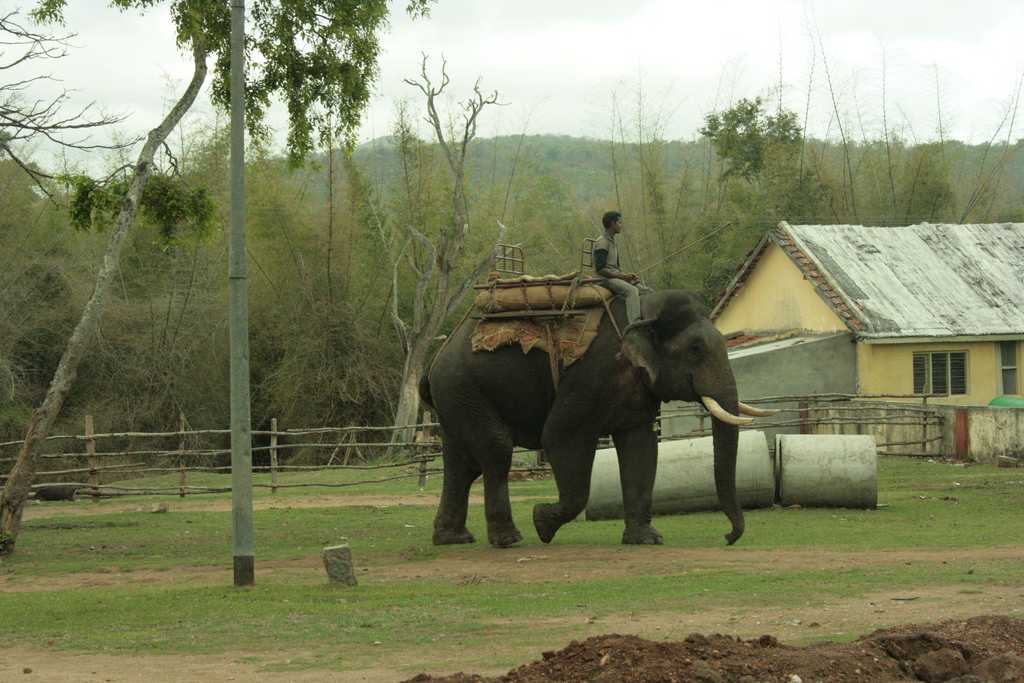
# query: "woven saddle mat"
{"type": "Point", "coordinates": [570, 336]}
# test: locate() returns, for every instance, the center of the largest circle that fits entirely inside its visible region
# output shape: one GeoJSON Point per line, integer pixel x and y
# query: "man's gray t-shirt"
{"type": "Point", "coordinates": [607, 243]}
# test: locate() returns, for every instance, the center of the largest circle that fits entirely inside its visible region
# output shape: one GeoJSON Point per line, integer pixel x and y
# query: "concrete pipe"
{"type": "Point", "coordinates": [827, 470]}
{"type": "Point", "coordinates": [686, 477]}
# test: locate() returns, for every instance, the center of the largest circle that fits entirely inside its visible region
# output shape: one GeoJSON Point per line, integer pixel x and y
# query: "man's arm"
{"type": "Point", "coordinates": [606, 271]}
{"type": "Point", "coordinates": [601, 266]}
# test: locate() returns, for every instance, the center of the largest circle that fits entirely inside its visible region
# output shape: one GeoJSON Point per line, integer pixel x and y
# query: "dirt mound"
{"type": "Point", "coordinates": [978, 649]}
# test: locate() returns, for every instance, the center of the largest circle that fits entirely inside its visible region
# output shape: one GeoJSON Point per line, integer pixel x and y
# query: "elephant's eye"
{"type": "Point", "coordinates": [695, 348]}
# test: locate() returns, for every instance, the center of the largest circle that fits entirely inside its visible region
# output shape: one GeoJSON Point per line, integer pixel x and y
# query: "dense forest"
{"type": "Point", "coordinates": [338, 247]}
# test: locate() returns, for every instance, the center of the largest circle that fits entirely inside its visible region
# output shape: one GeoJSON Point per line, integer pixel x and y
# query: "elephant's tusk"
{"type": "Point", "coordinates": [722, 414]}
{"type": "Point", "coordinates": [756, 412]}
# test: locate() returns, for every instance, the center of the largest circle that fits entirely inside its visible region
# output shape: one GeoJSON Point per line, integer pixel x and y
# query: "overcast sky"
{"type": "Point", "coordinates": [558, 62]}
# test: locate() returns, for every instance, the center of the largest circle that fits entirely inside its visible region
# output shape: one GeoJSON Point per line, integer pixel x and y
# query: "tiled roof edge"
{"type": "Point", "coordinates": [815, 273]}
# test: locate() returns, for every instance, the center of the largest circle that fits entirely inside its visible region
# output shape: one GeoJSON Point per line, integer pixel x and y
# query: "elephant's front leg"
{"type": "Point", "coordinates": [571, 459]}
{"type": "Point", "coordinates": [637, 449]}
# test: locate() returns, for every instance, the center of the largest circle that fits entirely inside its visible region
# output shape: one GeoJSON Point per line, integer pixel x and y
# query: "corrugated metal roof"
{"type": "Point", "coordinates": [923, 280]}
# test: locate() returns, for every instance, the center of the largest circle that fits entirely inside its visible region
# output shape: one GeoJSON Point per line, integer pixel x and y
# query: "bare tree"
{"type": "Point", "coordinates": [24, 120]}
{"type": "Point", "coordinates": [515, 164]}
{"type": "Point", "coordinates": [807, 114]}
{"type": "Point", "coordinates": [988, 183]}
{"type": "Point", "coordinates": [839, 125]}
{"type": "Point", "coordinates": [438, 292]}
{"type": "Point", "coordinates": [329, 257]}
{"type": "Point", "coordinates": [888, 146]}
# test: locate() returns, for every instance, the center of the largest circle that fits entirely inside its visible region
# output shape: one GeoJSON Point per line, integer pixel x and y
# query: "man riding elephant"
{"type": "Point", "coordinates": [607, 265]}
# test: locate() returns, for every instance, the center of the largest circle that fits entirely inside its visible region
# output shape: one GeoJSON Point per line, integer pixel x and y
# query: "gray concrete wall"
{"type": "Point", "coordinates": [898, 429]}
{"type": "Point", "coordinates": [819, 365]}
{"type": "Point", "coordinates": [995, 432]}
{"type": "Point", "coordinates": [992, 432]}
{"type": "Point", "coordinates": [816, 365]}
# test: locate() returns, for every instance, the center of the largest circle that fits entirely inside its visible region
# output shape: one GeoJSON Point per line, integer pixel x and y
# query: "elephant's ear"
{"type": "Point", "coordinates": [638, 348]}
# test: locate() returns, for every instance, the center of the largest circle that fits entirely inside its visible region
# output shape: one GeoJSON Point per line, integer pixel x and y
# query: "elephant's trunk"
{"type": "Point", "coordinates": [726, 440]}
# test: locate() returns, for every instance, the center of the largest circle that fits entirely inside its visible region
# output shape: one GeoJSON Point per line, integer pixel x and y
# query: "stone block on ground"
{"type": "Point", "coordinates": [338, 563]}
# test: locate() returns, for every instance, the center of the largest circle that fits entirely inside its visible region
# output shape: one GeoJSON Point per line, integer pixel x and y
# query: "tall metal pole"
{"type": "Point", "coordinates": [241, 421]}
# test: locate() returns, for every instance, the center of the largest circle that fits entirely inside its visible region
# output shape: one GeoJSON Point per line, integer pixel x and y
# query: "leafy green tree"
{"type": "Point", "coordinates": [744, 135]}
{"type": "Point", "coordinates": [319, 55]}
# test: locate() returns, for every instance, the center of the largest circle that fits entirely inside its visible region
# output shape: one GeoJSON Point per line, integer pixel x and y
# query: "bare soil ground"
{"type": "Point", "coordinates": [33, 665]}
{"type": "Point", "coordinates": [530, 563]}
{"type": "Point", "coordinates": [199, 504]}
{"type": "Point", "coordinates": [82, 505]}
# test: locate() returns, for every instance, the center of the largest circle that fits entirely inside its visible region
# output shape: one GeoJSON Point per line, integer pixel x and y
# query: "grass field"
{"type": "Point", "coordinates": [108, 578]}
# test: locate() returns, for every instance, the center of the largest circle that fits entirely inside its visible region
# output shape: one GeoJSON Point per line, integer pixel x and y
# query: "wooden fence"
{"type": "Point", "coordinates": [361, 448]}
{"type": "Point", "coordinates": [898, 430]}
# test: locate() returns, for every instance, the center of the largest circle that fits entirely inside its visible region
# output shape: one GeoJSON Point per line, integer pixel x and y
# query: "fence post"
{"type": "Point", "coordinates": [90, 449]}
{"type": "Point", "coordinates": [273, 455]}
{"type": "Point", "coordinates": [426, 436]}
{"type": "Point", "coordinates": [182, 472]}
{"type": "Point", "coordinates": [962, 434]}
{"type": "Point", "coordinates": [924, 425]}
{"type": "Point", "coordinates": [805, 427]}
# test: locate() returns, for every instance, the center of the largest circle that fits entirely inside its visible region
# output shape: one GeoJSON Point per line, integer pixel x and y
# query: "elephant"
{"type": "Point", "coordinates": [490, 402]}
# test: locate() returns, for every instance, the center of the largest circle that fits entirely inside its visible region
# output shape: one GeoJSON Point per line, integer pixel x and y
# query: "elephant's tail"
{"type": "Point", "coordinates": [425, 391]}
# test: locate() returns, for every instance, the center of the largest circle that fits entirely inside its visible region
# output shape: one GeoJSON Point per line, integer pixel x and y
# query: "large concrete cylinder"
{"type": "Point", "coordinates": [686, 477]}
{"type": "Point", "coordinates": [821, 470]}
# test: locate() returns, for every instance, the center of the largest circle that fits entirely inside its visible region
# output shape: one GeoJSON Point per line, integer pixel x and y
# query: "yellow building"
{"type": "Point", "coordinates": [932, 309]}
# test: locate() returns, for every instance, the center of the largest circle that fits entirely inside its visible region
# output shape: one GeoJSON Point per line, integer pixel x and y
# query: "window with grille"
{"type": "Point", "coordinates": [1008, 367]}
{"type": "Point", "coordinates": [940, 373]}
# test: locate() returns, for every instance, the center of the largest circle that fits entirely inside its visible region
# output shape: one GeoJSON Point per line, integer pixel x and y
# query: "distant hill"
{"type": "Point", "coordinates": [582, 165]}
{"type": "Point", "coordinates": [581, 168]}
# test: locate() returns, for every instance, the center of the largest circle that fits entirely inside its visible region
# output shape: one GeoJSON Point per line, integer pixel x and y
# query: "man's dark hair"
{"type": "Point", "coordinates": [610, 217]}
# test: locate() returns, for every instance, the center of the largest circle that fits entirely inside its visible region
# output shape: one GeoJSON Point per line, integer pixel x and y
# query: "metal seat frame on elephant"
{"type": "Point", "coordinates": [510, 261]}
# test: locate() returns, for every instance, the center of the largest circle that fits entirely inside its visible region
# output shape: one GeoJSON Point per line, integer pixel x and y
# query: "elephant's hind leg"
{"type": "Point", "coordinates": [494, 448]}
{"type": "Point", "coordinates": [459, 474]}
{"type": "Point", "coordinates": [501, 529]}
{"type": "Point", "coordinates": [480, 436]}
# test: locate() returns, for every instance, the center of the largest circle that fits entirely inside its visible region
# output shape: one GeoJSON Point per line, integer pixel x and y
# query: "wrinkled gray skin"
{"type": "Point", "coordinates": [489, 402]}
